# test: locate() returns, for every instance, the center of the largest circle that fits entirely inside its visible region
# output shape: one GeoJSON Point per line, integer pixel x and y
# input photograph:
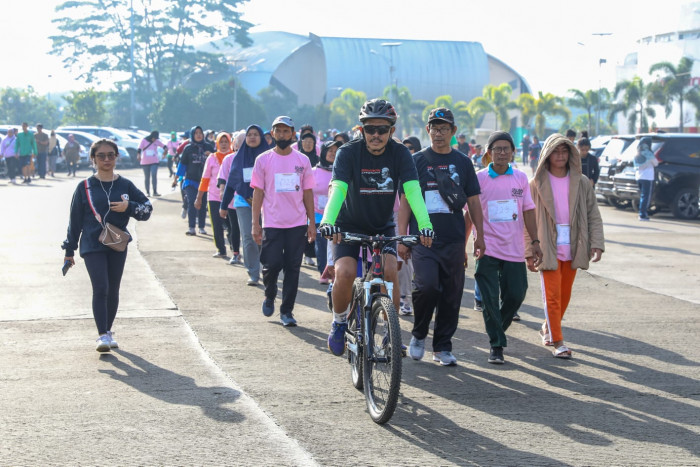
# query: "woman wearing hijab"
{"type": "Point", "coordinates": [307, 146]}
{"type": "Point", "coordinates": [238, 183]}
{"type": "Point", "coordinates": [231, 224]}
{"type": "Point", "coordinates": [569, 231]}
{"type": "Point", "coordinates": [54, 152]}
{"type": "Point", "coordinates": [191, 167]}
{"type": "Point", "coordinates": [208, 186]}
{"type": "Point", "coordinates": [322, 176]}
{"type": "Point", "coordinates": [148, 155]}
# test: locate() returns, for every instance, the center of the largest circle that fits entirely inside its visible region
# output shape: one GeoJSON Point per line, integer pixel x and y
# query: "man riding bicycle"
{"type": "Point", "coordinates": [359, 204]}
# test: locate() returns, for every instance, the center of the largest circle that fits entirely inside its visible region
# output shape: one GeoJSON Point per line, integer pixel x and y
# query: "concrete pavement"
{"type": "Point", "coordinates": [203, 378]}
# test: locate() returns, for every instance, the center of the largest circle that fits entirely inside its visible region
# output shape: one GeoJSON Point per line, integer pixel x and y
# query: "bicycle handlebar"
{"type": "Point", "coordinates": [369, 240]}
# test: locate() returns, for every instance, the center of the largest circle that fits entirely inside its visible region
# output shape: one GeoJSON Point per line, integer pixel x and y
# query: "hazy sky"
{"type": "Point", "coordinates": [551, 43]}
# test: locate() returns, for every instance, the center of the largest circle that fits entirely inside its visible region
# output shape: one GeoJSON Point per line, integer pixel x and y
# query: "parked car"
{"type": "Point", "coordinates": [86, 139]}
{"type": "Point", "coordinates": [121, 138]}
{"type": "Point", "coordinates": [598, 145]}
{"type": "Point", "coordinates": [677, 182]}
{"type": "Point", "coordinates": [607, 161]}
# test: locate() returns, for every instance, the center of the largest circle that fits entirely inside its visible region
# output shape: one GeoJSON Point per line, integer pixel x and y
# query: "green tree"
{"type": "Point", "coordinates": [548, 105]}
{"type": "Point", "coordinates": [345, 109]}
{"type": "Point", "coordinates": [496, 100]}
{"type": "Point", "coordinates": [635, 97]}
{"type": "Point", "coordinates": [174, 110]}
{"type": "Point", "coordinates": [85, 107]}
{"type": "Point", "coordinates": [674, 86]}
{"type": "Point", "coordinates": [527, 107]}
{"type": "Point", "coordinates": [94, 38]}
{"type": "Point", "coordinates": [215, 108]}
{"type": "Point", "coordinates": [581, 123]}
{"type": "Point", "coordinates": [276, 101]}
{"type": "Point", "coordinates": [592, 101]}
{"type": "Point", "coordinates": [403, 103]}
{"type": "Point", "coordinates": [465, 116]}
{"type": "Point", "coordinates": [24, 105]}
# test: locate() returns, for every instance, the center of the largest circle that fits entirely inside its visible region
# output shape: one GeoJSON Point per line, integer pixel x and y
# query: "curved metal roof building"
{"type": "Point", "coordinates": [316, 69]}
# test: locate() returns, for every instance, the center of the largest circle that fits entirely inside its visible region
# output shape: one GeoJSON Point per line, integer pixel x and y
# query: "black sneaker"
{"type": "Point", "coordinates": [516, 317]}
{"type": "Point", "coordinates": [268, 307]}
{"type": "Point", "coordinates": [478, 306]}
{"type": "Point", "coordinates": [496, 356]}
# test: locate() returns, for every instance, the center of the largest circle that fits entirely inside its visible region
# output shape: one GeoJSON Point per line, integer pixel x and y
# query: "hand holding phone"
{"type": "Point", "coordinates": [66, 266]}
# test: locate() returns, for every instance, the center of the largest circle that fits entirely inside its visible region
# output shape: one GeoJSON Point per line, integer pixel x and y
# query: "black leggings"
{"type": "Point", "coordinates": [105, 270]}
{"type": "Point", "coordinates": [234, 232]}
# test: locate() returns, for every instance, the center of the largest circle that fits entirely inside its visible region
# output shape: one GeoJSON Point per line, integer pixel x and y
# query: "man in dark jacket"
{"type": "Point", "coordinates": [589, 163]}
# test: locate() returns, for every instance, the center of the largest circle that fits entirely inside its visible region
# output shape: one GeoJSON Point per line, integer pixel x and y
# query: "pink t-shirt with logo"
{"type": "Point", "coordinates": [225, 169]}
{"type": "Point", "coordinates": [211, 171]}
{"type": "Point", "coordinates": [149, 151]}
{"type": "Point", "coordinates": [322, 179]}
{"type": "Point", "coordinates": [283, 179]}
{"type": "Point", "coordinates": [503, 201]}
{"type": "Point", "coordinates": [560, 191]}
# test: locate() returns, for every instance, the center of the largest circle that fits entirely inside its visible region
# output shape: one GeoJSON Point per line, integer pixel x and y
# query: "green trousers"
{"type": "Point", "coordinates": [503, 286]}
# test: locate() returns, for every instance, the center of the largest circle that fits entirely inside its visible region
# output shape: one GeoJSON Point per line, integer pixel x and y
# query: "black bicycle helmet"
{"type": "Point", "coordinates": [378, 108]}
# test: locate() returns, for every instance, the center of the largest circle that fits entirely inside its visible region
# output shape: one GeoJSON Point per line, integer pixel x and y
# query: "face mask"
{"type": "Point", "coordinates": [283, 143]}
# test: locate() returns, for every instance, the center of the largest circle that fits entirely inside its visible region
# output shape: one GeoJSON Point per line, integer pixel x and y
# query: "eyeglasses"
{"type": "Point", "coordinates": [374, 129]}
{"type": "Point", "coordinates": [440, 130]}
{"type": "Point", "coordinates": [501, 150]}
{"type": "Point", "coordinates": [106, 155]}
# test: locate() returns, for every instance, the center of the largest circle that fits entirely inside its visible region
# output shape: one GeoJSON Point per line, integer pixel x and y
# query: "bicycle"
{"type": "Point", "coordinates": [373, 336]}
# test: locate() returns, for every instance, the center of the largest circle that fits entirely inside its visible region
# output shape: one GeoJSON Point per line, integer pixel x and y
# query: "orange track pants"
{"type": "Point", "coordinates": [556, 293]}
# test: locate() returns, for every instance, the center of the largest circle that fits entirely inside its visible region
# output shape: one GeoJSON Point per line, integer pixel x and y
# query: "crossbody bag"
{"type": "Point", "coordinates": [111, 235]}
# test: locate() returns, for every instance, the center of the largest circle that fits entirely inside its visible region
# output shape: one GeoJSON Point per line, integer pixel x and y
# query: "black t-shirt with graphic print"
{"type": "Point", "coordinates": [372, 185]}
{"type": "Point", "coordinates": [448, 227]}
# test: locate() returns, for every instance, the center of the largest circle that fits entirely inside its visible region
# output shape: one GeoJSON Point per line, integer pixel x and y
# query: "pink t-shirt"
{"type": "Point", "coordinates": [322, 178]}
{"type": "Point", "coordinates": [149, 151]}
{"type": "Point", "coordinates": [560, 192]}
{"type": "Point", "coordinates": [225, 169]}
{"type": "Point", "coordinates": [283, 179]}
{"type": "Point", "coordinates": [211, 171]}
{"type": "Point", "coordinates": [503, 201]}
{"type": "Point", "coordinates": [172, 147]}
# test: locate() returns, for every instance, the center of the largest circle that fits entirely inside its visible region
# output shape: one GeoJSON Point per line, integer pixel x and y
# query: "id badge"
{"type": "Point", "coordinates": [435, 203]}
{"type": "Point", "coordinates": [285, 183]}
{"type": "Point", "coordinates": [504, 210]}
{"type": "Point", "coordinates": [322, 201]}
{"type": "Point", "coordinates": [247, 174]}
{"type": "Point", "coordinates": [563, 234]}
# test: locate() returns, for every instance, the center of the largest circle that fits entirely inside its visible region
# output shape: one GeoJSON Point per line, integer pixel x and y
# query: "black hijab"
{"type": "Point", "coordinates": [313, 157]}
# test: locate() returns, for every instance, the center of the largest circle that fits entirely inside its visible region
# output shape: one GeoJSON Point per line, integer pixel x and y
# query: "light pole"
{"type": "Point", "coordinates": [131, 53]}
{"type": "Point", "coordinates": [600, 63]}
{"type": "Point", "coordinates": [235, 91]}
{"type": "Point", "coordinates": [393, 81]}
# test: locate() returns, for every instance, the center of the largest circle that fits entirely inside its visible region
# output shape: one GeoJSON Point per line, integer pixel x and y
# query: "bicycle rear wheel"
{"type": "Point", "coordinates": [354, 331]}
{"type": "Point", "coordinates": [382, 371]}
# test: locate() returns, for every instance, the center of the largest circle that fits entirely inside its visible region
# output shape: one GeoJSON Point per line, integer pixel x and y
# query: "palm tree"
{"type": "Point", "coordinates": [496, 100]}
{"type": "Point", "coordinates": [346, 107]}
{"type": "Point", "coordinates": [526, 104]}
{"type": "Point", "coordinates": [634, 104]}
{"type": "Point", "coordinates": [403, 104]}
{"type": "Point", "coordinates": [548, 105]}
{"type": "Point", "coordinates": [464, 116]}
{"type": "Point", "coordinates": [591, 101]}
{"type": "Point", "coordinates": [674, 85]}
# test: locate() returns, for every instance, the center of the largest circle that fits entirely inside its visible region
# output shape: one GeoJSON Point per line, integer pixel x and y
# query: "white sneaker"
{"type": "Point", "coordinates": [405, 309]}
{"type": "Point", "coordinates": [202, 231]}
{"type": "Point", "coordinates": [416, 349]}
{"type": "Point", "coordinates": [112, 343]}
{"type": "Point", "coordinates": [183, 214]}
{"type": "Point", "coordinates": [103, 343]}
{"type": "Point", "coordinates": [445, 358]}
{"type": "Point", "coordinates": [309, 261]}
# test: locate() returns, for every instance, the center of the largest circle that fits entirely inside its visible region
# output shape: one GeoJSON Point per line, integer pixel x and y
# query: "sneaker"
{"type": "Point", "coordinates": [287, 320]}
{"type": "Point", "coordinates": [309, 261]}
{"type": "Point", "coordinates": [478, 306]}
{"type": "Point", "coordinates": [252, 282]}
{"type": "Point", "coordinates": [268, 307]}
{"type": "Point", "coordinates": [103, 343]}
{"type": "Point", "coordinates": [112, 343]}
{"type": "Point", "coordinates": [405, 309]}
{"type": "Point", "coordinates": [183, 213]}
{"type": "Point", "coordinates": [155, 193]}
{"type": "Point", "coordinates": [496, 356]}
{"type": "Point", "coordinates": [445, 358]}
{"type": "Point", "coordinates": [219, 255]}
{"type": "Point", "coordinates": [645, 219]}
{"type": "Point", "coordinates": [416, 348]}
{"type": "Point", "coordinates": [516, 317]}
{"type": "Point", "coordinates": [235, 259]}
{"type": "Point", "coordinates": [190, 233]}
{"type": "Point", "coordinates": [336, 338]}
{"type": "Point", "coordinates": [202, 231]}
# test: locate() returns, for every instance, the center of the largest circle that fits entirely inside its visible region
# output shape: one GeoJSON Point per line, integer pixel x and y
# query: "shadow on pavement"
{"type": "Point", "coordinates": [171, 387]}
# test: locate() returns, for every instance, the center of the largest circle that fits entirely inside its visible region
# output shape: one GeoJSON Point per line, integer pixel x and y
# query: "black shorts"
{"type": "Point", "coordinates": [25, 161]}
{"type": "Point", "coordinates": [353, 251]}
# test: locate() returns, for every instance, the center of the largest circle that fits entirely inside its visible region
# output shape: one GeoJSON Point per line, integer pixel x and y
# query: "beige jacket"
{"type": "Point", "coordinates": [584, 216]}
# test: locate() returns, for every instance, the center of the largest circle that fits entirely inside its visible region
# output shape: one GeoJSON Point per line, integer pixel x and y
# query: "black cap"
{"type": "Point", "coordinates": [330, 144]}
{"type": "Point", "coordinates": [500, 136]}
{"type": "Point", "coordinates": [441, 113]}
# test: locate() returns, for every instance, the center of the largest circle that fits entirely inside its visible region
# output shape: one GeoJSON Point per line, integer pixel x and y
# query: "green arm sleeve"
{"type": "Point", "coordinates": [339, 190]}
{"type": "Point", "coordinates": [417, 203]}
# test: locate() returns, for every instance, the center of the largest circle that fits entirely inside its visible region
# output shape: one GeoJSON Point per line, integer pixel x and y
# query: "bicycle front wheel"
{"type": "Point", "coordinates": [354, 327]}
{"type": "Point", "coordinates": [382, 369]}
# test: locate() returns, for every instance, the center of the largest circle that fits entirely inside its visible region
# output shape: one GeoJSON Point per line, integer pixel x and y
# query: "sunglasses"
{"type": "Point", "coordinates": [109, 156]}
{"type": "Point", "coordinates": [376, 129]}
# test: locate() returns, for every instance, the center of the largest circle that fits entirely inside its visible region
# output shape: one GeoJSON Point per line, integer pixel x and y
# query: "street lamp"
{"type": "Point", "coordinates": [393, 81]}
{"type": "Point", "coordinates": [131, 53]}
{"type": "Point", "coordinates": [235, 91]}
{"type": "Point", "coordinates": [600, 63]}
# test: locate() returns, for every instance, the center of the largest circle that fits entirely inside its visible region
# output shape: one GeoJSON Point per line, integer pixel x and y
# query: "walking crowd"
{"type": "Point", "coordinates": [280, 199]}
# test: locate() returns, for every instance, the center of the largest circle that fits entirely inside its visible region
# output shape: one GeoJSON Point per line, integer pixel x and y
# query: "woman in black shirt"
{"type": "Point", "coordinates": [103, 198]}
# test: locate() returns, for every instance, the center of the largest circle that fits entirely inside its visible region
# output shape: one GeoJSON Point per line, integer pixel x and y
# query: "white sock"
{"type": "Point", "coordinates": [340, 317]}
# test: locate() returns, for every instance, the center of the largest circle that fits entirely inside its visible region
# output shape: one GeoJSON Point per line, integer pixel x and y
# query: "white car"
{"type": "Point", "coordinates": [86, 139]}
{"type": "Point", "coordinates": [122, 139]}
